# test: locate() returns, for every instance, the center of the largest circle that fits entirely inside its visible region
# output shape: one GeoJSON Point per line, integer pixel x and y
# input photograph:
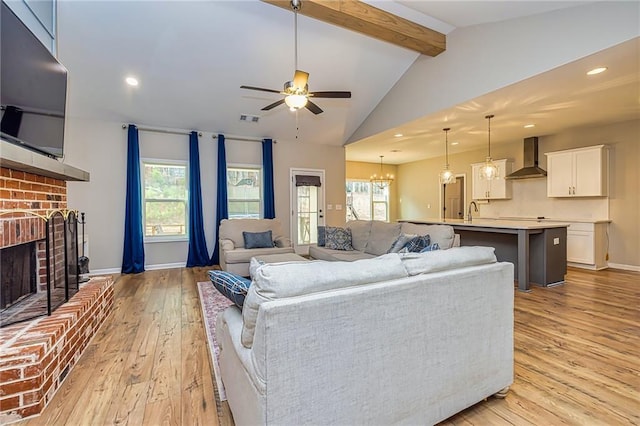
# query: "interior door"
{"type": "Point", "coordinates": [307, 207]}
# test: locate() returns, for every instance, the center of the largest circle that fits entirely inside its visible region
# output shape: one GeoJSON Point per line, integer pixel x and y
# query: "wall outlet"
{"type": "Point", "coordinates": [329, 206]}
{"type": "Point", "coordinates": [556, 241]}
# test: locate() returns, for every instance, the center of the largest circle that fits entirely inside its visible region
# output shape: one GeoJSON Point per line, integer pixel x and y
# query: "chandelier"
{"type": "Point", "coordinates": [382, 181]}
{"type": "Point", "coordinates": [446, 175]}
{"type": "Point", "coordinates": [489, 170]}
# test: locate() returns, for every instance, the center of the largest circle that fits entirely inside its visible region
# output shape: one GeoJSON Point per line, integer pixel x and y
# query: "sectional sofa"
{"type": "Point", "coordinates": [396, 339]}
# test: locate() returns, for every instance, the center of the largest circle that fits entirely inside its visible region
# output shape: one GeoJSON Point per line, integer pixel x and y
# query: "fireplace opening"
{"type": "Point", "coordinates": [39, 276]}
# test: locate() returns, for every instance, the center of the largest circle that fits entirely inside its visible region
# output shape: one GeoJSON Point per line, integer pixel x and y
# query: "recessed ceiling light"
{"type": "Point", "coordinates": [131, 81]}
{"type": "Point", "coordinates": [455, 143]}
{"type": "Point", "coordinates": [398, 135]}
{"type": "Point", "coordinates": [396, 150]}
{"type": "Point", "coordinates": [597, 71]}
{"type": "Point", "coordinates": [528, 126]}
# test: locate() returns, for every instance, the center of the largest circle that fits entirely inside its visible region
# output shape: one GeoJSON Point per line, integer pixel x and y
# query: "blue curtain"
{"type": "Point", "coordinates": [267, 167]}
{"type": "Point", "coordinates": [133, 253]}
{"type": "Point", "coordinates": [222, 210]}
{"type": "Point", "coordinates": [198, 253]}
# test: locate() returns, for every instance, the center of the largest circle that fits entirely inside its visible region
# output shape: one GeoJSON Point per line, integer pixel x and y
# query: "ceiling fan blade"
{"type": "Point", "coordinates": [273, 105]}
{"type": "Point", "coordinates": [313, 107]}
{"type": "Point", "coordinates": [260, 89]}
{"type": "Point", "coordinates": [300, 79]}
{"type": "Point", "coordinates": [330, 94]}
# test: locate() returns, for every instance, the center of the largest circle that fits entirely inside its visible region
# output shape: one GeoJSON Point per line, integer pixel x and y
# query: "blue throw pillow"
{"type": "Point", "coordinates": [431, 247]}
{"type": "Point", "coordinates": [338, 238]}
{"type": "Point", "coordinates": [232, 286]}
{"type": "Point", "coordinates": [400, 242]}
{"type": "Point", "coordinates": [417, 244]}
{"type": "Point", "coordinates": [257, 239]}
{"type": "Point", "coordinates": [321, 236]}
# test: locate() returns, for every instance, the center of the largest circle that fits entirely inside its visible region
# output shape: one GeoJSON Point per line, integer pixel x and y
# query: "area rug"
{"type": "Point", "coordinates": [212, 302]}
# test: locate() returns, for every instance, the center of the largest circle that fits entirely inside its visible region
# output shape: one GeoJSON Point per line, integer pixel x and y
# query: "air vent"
{"type": "Point", "coordinates": [249, 118]}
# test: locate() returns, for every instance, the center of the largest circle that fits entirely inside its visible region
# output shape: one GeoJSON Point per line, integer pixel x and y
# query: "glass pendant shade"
{"type": "Point", "coordinates": [295, 102]}
{"type": "Point", "coordinates": [489, 170]}
{"type": "Point", "coordinates": [446, 175]}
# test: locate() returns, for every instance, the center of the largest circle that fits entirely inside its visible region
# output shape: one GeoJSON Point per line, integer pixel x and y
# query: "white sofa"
{"type": "Point", "coordinates": [371, 238]}
{"type": "Point", "coordinates": [234, 257]}
{"type": "Point", "coordinates": [398, 339]}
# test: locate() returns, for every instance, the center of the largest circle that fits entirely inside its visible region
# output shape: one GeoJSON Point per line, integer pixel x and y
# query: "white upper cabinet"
{"type": "Point", "coordinates": [581, 172]}
{"type": "Point", "coordinates": [497, 189]}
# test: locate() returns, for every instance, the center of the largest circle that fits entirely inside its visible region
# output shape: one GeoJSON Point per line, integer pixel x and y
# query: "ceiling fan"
{"type": "Point", "coordinates": [296, 92]}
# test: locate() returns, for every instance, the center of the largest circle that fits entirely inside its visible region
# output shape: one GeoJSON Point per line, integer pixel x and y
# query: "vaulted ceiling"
{"type": "Point", "coordinates": [192, 57]}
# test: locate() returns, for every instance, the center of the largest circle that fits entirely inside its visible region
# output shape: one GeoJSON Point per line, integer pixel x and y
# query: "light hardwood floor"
{"type": "Point", "coordinates": [576, 357]}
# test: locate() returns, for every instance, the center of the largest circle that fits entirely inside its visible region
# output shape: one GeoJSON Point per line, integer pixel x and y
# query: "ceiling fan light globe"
{"type": "Point", "coordinates": [295, 102]}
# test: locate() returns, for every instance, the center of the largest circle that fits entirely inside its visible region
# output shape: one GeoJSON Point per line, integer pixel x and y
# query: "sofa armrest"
{"type": "Point", "coordinates": [456, 240]}
{"type": "Point", "coordinates": [282, 242]}
{"type": "Point", "coordinates": [226, 245]}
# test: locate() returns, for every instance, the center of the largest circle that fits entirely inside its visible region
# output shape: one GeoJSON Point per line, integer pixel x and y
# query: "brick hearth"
{"type": "Point", "coordinates": [36, 356]}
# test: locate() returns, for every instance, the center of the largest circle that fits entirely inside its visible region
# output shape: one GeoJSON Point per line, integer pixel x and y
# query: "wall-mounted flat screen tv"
{"type": "Point", "coordinates": [33, 89]}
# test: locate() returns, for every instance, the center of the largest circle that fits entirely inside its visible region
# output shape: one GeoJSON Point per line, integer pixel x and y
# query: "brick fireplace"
{"type": "Point", "coordinates": [36, 355]}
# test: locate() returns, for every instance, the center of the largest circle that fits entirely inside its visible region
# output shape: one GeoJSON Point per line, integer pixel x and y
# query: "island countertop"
{"type": "Point", "coordinates": [491, 223]}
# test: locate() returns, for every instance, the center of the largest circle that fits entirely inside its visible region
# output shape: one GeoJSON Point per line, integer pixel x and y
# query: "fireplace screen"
{"type": "Point", "coordinates": [38, 276]}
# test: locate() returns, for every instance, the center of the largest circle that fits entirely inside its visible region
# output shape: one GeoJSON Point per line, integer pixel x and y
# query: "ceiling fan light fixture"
{"type": "Point", "coordinates": [295, 102]}
{"type": "Point", "coordinates": [489, 171]}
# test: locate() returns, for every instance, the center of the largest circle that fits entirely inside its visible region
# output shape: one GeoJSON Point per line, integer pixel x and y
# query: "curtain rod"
{"type": "Point", "coordinates": [161, 130]}
{"type": "Point", "coordinates": [238, 138]}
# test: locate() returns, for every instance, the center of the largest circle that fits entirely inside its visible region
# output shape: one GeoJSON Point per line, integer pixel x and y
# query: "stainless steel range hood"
{"type": "Point", "coordinates": [530, 169]}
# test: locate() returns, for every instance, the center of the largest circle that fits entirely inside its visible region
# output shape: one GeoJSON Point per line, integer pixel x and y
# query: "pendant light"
{"type": "Point", "coordinates": [446, 175]}
{"type": "Point", "coordinates": [383, 180]}
{"type": "Point", "coordinates": [489, 170]}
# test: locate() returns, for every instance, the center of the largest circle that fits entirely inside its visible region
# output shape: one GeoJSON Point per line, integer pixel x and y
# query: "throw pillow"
{"type": "Point", "coordinates": [257, 239]}
{"type": "Point", "coordinates": [232, 286]}
{"type": "Point", "coordinates": [338, 238]}
{"type": "Point", "coordinates": [431, 247]}
{"type": "Point", "coordinates": [321, 236]}
{"type": "Point", "coordinates": [400, 242]}
{"type": "Point", "coordinates": [416, 244]}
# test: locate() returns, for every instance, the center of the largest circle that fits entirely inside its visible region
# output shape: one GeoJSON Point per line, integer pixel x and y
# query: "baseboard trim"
{"type": "Point", "coordinates": [108, 271]}
{"type": "Point", "coordinates": [634, 268]}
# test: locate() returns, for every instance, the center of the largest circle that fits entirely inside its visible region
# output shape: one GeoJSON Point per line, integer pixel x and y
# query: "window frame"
{"type": "Point", "coordinates": [260, 199]}
{"type": "Point", "coordinates": [164, 238]}
{"type": "Point", "coordinates": [372, 203]}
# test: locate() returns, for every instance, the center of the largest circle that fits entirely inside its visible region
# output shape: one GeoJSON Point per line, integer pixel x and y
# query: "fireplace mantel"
{"type": "Point", "coordinates": [18, 158]}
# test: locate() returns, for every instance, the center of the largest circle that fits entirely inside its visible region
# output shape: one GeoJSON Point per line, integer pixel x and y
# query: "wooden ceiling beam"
{"type": "Point", "coordinates": [366, 19]}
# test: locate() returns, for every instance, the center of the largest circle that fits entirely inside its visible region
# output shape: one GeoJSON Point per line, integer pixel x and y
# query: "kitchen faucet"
{"type": "Point", "coordinates": [475, 207]}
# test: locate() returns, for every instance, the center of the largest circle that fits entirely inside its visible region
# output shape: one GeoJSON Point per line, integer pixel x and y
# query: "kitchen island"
{"type": "Point", "coordinates": [538, 249]}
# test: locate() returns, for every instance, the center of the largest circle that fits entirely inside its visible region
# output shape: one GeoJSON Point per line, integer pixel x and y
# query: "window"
{"type": "Point", "coordinates": [244, 192]}
{"type": "Point", "coordinates": [165, 198]}
{"type": "Point", "coordinates": [366, 201]}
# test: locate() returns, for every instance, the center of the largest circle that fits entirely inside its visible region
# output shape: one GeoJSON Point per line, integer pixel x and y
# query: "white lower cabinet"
{"type": "Point", "coordinates": [587, 245]}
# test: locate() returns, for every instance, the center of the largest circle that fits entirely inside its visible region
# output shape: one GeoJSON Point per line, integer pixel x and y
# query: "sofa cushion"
{"type": "Point", "coordinates": [417, 243]}
{"type": "Point", "coordinates": [383, 234]}
{"type": "Point", "coordinates": [400, 242]}
{"type": "Point", "coordinates": [337, 238]}
{"type": "Point", "coordinates": [281, 280]}
{"type": "Point", "coordinates": [321, 236]}
{"type": "Point", "coordinates": [360, 230]}
{"type": "Point", "coordinates": [323, 253]}
{"type": "Point", "coordinates": [232, 286]}
{"type": "Point", "coordinates": [441, 234]}
{"type": "Point", "coordinates": [257, 239]}
{"type": "Point", "coordinates": [243, 255]}
{"type": "Point", "coordinates": [442, 260]}
{"type": "Point", "coordinates": [232, 229]}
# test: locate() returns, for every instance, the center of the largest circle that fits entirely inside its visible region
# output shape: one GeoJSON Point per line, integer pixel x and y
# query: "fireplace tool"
{"type": "Point", "coordinates": [83, 261]}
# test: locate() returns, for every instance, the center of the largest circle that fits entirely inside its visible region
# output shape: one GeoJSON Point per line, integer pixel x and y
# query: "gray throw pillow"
{"type": "Point", "coordinates": [257, 239]}
{"type": "Point", "coordinates": [338, 238]}
{"type": "Point", "coordinates": [400, 242]}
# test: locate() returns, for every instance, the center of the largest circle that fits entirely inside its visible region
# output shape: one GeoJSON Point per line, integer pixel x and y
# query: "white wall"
{"type": "Point", "coordinates": [100, 148]}
{"type": "Point", "coordinates": [484, 58]}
